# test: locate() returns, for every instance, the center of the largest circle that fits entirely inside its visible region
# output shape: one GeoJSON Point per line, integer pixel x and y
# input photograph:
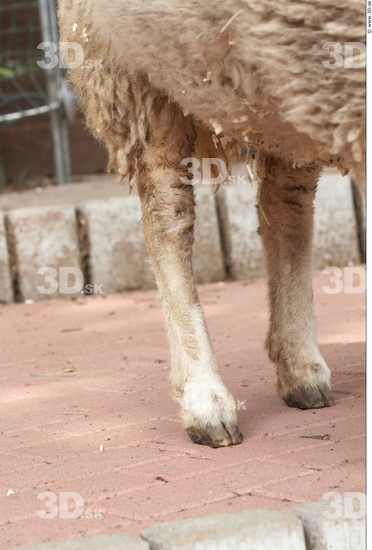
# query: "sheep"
{"type": "Point", "coordinates": [175, 81]}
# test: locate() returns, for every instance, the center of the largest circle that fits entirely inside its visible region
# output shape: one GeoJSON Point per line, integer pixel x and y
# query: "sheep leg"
{"type": "Point", "coordinates": [286, 225]}
{"type": "Point", "coordinates": [207, 407]}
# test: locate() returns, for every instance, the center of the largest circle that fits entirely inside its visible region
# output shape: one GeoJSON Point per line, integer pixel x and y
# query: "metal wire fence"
{"type": "Point", "coordinates": [25, 88]}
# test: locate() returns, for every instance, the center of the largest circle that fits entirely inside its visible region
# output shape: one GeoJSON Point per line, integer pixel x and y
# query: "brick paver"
{"type": "Point", "coordinates": [85, 408]}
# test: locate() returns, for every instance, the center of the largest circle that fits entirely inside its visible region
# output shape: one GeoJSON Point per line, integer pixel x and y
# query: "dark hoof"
{"type": "Point", "coordinates": [219, 436]}
{"type": "Point", "coordinates": [310, 397]}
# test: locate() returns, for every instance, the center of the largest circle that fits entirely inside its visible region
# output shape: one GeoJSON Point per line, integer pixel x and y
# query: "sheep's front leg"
{"type": "Point", "coordinates": [207, 407]}
{"type": "Point", "coordinates": [286, 225]}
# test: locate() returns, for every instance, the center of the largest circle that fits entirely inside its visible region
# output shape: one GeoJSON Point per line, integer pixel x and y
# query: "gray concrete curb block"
{"type": "Point", "coordinates": [118, 258]}
{"type": "Point", "coordinates": [303, 527]}
{"type": "Point", "coordinates": [325, 533]}
{"type": "Point", "coordinates": [42, 237]}
{"type": "Point", "coordinates": [208, 259]}
{"type": "Point", "coordinates": [335, 226]}
{"type": "Point", "coordinates": [113, 541]}
{"type": "Point", "coordinates": [239, 223]}
{"type": "Point", "coordinates": [109, 245]}
{"type": "Point", "coordinates": [359, 196]}
{"type": "Point", "coordinates": [246, 530]}
{"type": "Point", "coordinates": [6, 290]}
{"type": "Point", "coordinates": [117, 251]}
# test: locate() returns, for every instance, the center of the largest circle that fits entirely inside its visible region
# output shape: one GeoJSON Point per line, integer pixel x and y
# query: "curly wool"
{"type": "Point", "coordinates": [245, 70]}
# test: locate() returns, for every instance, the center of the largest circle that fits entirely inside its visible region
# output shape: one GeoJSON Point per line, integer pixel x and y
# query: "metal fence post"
{"type": "Point", "coordinates": [61, 147]}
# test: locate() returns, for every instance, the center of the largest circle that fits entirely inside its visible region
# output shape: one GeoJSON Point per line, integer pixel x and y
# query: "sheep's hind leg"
{"type": "Point", "coordinates": [207, 407]}
{"type": "Point", "coordinates": [286, 225]}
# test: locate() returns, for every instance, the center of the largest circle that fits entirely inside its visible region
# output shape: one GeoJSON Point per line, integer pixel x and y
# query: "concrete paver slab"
{"type": "Point", "coordinates": [6, 290]}
{"type": "Point", "coordinates": [44, 238]}
{"type": "Point", "coordinates": [246, 530]}
{"type": "Point", "coordinates": [338, 522]}
{"type": "Point", "coordinates": [112, 541]}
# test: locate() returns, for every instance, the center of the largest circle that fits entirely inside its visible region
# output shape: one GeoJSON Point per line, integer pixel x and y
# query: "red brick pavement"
{"type": "Point", "coordinates": [79, 377]}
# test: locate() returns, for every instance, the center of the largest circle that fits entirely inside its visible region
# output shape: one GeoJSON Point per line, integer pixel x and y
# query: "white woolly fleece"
{"type": "Point", "coordinates": [252, 69]}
